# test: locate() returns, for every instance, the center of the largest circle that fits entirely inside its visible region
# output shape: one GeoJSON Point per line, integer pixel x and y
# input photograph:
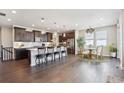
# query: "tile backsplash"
{"type": "Point", "coordinates": [29, 44]}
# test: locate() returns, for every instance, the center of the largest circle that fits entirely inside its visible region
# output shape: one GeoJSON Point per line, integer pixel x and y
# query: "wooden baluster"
{"type": "Point", "coordinates": [1, 53]}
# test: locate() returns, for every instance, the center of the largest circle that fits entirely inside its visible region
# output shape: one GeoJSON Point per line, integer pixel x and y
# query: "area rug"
{"type": "Point", "coordinates": [112, 79]}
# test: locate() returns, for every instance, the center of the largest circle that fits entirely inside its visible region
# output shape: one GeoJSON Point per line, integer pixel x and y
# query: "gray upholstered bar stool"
{"type": "Point", "coordinates": [63, 51]}
{"type": "Point", "coordinates": [50, 53]}
{"type": "Point", "coordinates": [57, 53]}
{"type": "Point", "coordinates": [41, 56]}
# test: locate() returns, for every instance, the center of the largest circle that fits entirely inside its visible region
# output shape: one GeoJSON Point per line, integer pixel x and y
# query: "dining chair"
{"type": "Point", "coordinates": [99, 52]}
{"type": "Point", "coordinates": [50, 54]}
{"type": "Point", "coordinates": [41, 56]}
{"type": "Point", "coordinates": [85, 53]}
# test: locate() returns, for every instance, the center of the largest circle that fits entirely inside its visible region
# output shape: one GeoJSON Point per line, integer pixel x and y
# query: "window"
{"type": "Point", "coordinates": [101, 38]}
{"type": "Point", "coordinates": [89, 38]}
{"type": "Point", "coordinates": [98, 38]}
{"type": "Point", "coordinates": [89, 42]}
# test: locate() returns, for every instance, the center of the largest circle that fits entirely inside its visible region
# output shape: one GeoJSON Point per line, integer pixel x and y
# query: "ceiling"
{"type": "Point", "coordinates": [60, 20]}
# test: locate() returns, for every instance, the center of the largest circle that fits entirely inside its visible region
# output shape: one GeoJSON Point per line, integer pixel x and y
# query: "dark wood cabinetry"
{"type": "Point", "coordinates": [49, 37]}
{"type": "Point", "coordinates": [69, 38]}
{"type": "Point", "coordinates": [44, 38]}
{"type": "Point", "coordinates": [37, 33]}
{"type": "Point", "coordinates": [23, 36]}
{"type": "Point", "coordinates": [19, 34]}
{"type": "Point", "coordinates": [21, 53]}
{"type": "Point", "coordinates": [29, 36]}
{"type": "Point", "coordinates": [37, 36]}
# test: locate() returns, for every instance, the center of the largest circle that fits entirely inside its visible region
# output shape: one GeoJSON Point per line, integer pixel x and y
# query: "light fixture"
{"type": "Point", "coordinates": [90, 30]}
{"type": "Point", "coordinates": [64, 35]}
{"type": "Point", "coordinates": [56, 25]}
{"type": "Point", "coordinates": [43, 32]}
{"type": "Point", "coordinates": [14, 12]}
{"type": "Point", "coordinates": [9, 19]}
{"type": "Point", "coordinates": [33, 25]}
{"type": "Point", "coordinates": [76, 24]}
{"type": "Point", "coordinates": [42, 20]}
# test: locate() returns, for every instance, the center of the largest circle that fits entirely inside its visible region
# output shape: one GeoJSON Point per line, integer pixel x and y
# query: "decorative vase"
{"type": "Point", "coordinates": [113, 54]}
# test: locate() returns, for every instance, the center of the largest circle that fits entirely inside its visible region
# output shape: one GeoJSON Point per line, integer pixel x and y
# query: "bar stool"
{"type": "Point", "coordinates": [57, 52]}
{"type": "Point", "coordinates": [63, 51]}
{"type": "Point", "coordinates": [41, 55]}
{"type": "Point", "coordinates": [50, 53]}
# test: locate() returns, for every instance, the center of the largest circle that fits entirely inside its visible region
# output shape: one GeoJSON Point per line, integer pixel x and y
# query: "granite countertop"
{"type": "Point", "coordinates": [27, 47]}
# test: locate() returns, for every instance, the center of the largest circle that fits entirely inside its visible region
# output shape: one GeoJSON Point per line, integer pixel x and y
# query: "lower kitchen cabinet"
{"type": "Point", "coordinates": [21, 53]}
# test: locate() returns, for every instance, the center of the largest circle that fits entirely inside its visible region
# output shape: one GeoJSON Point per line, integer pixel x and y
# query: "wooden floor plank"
{"type": "Point", "coordinates": [68, 70]}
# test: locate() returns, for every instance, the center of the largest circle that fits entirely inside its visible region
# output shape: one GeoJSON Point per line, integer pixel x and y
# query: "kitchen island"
{"type": "Point", "coordinates": [32, 52]}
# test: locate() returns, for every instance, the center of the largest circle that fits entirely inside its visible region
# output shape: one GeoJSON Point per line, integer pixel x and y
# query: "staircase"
{"type": "Point", "coordinates": [6, 53]}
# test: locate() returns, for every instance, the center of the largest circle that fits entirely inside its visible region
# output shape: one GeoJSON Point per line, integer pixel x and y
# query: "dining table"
{"type": "Point", "coordinates": [90, 49]}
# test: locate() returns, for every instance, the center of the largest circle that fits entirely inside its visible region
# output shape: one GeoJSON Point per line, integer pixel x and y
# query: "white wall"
{"type": "Point", "coordinates": [111, 36]}
{"type": "Point", "coordinates": [76, 45]}
{"type": "Point", "coordinates": [118, 41]}
{"type": "Point", "coordinates": [6, 36]}
{"type": "Point", "coordinates": [121, 25]}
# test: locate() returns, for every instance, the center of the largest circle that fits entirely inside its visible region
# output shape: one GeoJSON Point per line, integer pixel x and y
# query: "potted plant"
{"type": "Point", "coordinates": [81, 43]}
{"type": "Point", "coordinates": [113, 50]}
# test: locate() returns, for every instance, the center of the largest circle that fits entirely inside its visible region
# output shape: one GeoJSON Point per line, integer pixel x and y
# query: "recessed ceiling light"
{"type": "Point", "coordinates": [9, 19]}
{"type": "Point", "coordinates": [33, 25]}
{"type": "Point", "coordinates": [76, 24]}
{"type": "Point", "coordinates": [14, 12]}
{"type": "Point", "coordinates": [101, 19]}
{"type": "Point", "coordinates": [42, 19]}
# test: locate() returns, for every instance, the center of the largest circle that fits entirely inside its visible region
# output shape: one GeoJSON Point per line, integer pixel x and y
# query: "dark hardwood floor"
{"type": "Point", "coordinates": [68, 70]}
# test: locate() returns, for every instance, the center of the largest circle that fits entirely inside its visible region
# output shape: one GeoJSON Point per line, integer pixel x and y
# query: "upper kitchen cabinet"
{"type": "Point", "coordinates": [49, 36]}
{"type": "Point", "coordinates": [37, 36]}
{"type": "Point", "coordinates": [23, 36]}
{"type": "Point", "coordinates": [44, 37]}
{"type": "Point", "coordinates": [19, 34]}
{"type": "Point", "coordinates": [29, 36]}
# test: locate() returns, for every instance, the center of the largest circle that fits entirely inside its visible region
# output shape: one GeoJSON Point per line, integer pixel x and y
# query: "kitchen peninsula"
{"type": "Point", "coordinates": [34, 51]}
